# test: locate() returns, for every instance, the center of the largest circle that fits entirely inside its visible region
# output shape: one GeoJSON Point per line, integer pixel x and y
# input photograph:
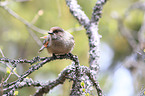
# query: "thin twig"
{"type": "Point", "coordinates": [11, 12]}
{"type": "Point", "coordinates": [34, 36]}
{"type": "Point", "coordinates": [93, 80]}
{"type": "Point", "coordinates": [13, 85]}
{"type": "Point", "coordinates": [97, 11]}
{"type": "Point", "coordinates": [12, 69]}
{"type": "Point", "coordinates": [76, 86]}
{"type": "Point", "coordinates": [50, 85]}
{"type": "Point", "coordinates": [126, 33]}
{"type": "Point", "coordinates": [2, 52]}
{"type": "Point", "coordinates": [141, 36]}
{"type": "Point", "coordinates": [12, 61]}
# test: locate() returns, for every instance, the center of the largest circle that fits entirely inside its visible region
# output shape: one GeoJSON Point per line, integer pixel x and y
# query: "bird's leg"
{"type": "Point", "coordinates": [70, 54]}
{"type": "Point", "coordinates": [54, 55]}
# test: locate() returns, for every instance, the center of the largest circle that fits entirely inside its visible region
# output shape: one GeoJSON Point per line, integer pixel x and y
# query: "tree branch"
{"type": "Point", "coordinates": [76, 87]}
{"type": "Point", "coordinates": [76, 11]}
{"type": "Point", "coordinates": [97, 11]}
{"type": "Point", "coordinates": [127, 34]}
{"type": "Point", "coordinates": [91, 27]}
{"type": "Point", "coordinates": [94, 36]}
{"type": "Point", "coordinates": [13, 85]}
{"type": "Point", "coordinates": [51, 85]}
{"type": "Point", "coordinates": [92, 78]}
{"type": "Point", "coordinates": [29, 25]}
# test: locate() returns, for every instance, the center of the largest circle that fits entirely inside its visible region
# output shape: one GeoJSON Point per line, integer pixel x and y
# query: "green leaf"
{"type": "Point", "coordinates": [83, 90]}
{"type": "Point", "coordinates": [16, 93]}
{"type": "Point", "coordinates": [8, 70]}
{"type": "Point", "coordinates": [87, 94]}
{"type": "Point", "coordinates": [82, 84]}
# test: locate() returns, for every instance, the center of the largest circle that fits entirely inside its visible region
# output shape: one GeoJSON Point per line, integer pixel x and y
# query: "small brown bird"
{"type": "Point", "coordinates": [58, 41]}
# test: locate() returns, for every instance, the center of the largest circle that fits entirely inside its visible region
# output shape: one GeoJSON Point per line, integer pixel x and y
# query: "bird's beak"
{"type": "Point", "coordinates": [51, 33]}
{"type": "Point", "coordinates": [44, 37]}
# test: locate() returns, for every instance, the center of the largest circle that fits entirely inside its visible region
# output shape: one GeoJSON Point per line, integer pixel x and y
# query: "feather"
{"type": "Point", "coordinates": [41, 49]}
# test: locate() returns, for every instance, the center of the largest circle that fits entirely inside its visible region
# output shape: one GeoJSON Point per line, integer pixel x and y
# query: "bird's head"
{"type": "Point", "coordinates": [56, 31]}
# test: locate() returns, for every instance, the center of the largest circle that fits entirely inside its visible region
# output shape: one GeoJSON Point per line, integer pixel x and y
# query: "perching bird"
{"type": "Point", "coordinates": [58, 41]}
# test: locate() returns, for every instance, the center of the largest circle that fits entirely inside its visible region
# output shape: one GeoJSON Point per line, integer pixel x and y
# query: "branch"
{"type": "Point", "coordinates": [137, 5]}
{"type": "Point", "coordinates": [97, 11]}
{"type": "Point", "coordinates": [127, 34]}
{"type": "Point", "coordinates": [34, 67]}
{"type": "Point", "coordinates": [29, 25]}
{"type": "Point", "coordinates": [45, 87]}
{"type": "Point", "coordinates": [22, 81]}
{"type": "Point", "coordinates": [34, 36]}
{"type": "Point", "coordinates": [91, 27]}
{"type": "Point", "coordinates": [51, 85]}
{"type": "Point", "coordinates": [141, 36]}
{"type": "Point", "coordinates": [94, 36]}
{"type": "Point", "coordinates": [76, 11]}
{"type": "Point", "coordinates": [14, 62]}
{"type": "Point", "coordinates": [14, 85]}
{"type": "Point", "coordinates": [76, 87]}
{"type": "Point", "coordinates": [75, 70]}
{"type": "Point", "coordinates": [92, 78]}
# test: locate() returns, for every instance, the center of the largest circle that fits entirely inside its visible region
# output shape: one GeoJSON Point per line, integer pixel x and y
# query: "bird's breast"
{"type": "Point", "coordinates": [61, 46]}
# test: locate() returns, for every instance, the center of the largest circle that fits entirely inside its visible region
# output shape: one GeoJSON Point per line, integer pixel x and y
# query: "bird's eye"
{"type": "Point", "coordinates": [55, 31]}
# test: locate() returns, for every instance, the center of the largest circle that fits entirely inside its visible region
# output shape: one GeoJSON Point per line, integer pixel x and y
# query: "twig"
{"type": "Point", "coordinates": [12, 61]}
{"type": "Point", "coordinates": [76, 86]}
{"type": "Point", "coordinates": [141, 36]}
{"type": "Point", "coordinates": [36, 17]}
{"type": "Point", "coordinates": [2, 52]}
{"type": "Point", "coordinates": [126, 33]}
{"type": "Point", "coordinates": [34, 37]}
{"type": "Point", "coordinates": [36, 67]}
{"type": "Point", "coordinates": [11, 12]}
{"type": "Point", "coordinates": [91, 27]}
{"type": "Point", "coordinates": [136, 5]}
{"type": "Point", "coordinates": [97, 11]}
{"type": "Point", "coordinates": [23, 81]}
{"type": "Point", "coordinates": [92, 78]}
{"type": "Point", "coordinates": [50, 85]}
{"type": "Point", "coordinates": [12, 71]}
{"type": "Point", "coordinates": [31, 69]}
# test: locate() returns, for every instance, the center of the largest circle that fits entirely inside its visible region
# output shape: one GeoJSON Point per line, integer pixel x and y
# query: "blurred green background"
{"type": "Point", "coordinates": [16, 41]}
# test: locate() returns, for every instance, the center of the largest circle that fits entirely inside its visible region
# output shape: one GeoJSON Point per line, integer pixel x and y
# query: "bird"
{"type": "Point", "coordinates": [58, 41]}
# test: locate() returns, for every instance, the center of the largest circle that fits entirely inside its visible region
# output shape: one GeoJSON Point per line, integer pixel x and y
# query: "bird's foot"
{"type": "Point", "coordinates": [54, 56]}
{"type": "Point", "coordinates": [70, 54]}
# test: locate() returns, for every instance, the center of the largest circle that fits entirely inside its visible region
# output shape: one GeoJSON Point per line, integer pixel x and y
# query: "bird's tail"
{"type": "Point", "coordinates": [41, 49]}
